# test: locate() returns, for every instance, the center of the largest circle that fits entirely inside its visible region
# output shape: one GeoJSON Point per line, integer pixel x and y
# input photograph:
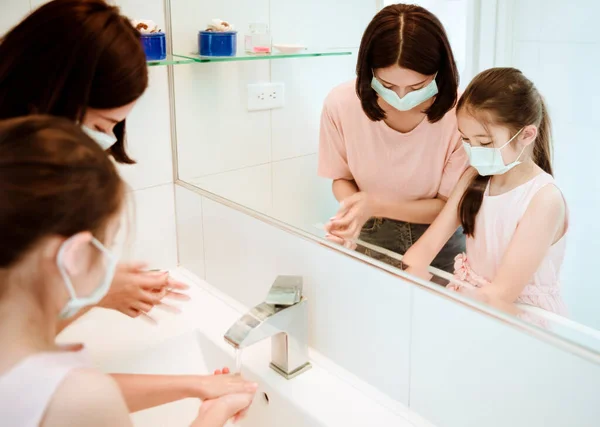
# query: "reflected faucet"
{"type": "Point", "coordinates": [283, 317]}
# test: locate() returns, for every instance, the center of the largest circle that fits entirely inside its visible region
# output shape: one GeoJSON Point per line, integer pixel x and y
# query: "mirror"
{"type": "Point", "coordinates": [281, 162]}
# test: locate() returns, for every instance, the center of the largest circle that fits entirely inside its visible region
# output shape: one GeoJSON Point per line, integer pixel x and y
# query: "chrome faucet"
{"type": "Point", "coordinates": [283, 317]}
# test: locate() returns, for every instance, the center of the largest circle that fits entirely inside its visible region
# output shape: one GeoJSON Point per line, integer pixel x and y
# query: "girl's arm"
{"type": "Point", "coordinates": [147, 391]}
{"type": "Point", "coordinates": [86, 398]}
{"type": "Point", "coordinates": [422, 253]}
{"type": "Point", "coordinates": [541, 226]}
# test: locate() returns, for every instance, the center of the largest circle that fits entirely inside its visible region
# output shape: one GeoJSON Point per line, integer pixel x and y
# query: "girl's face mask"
{"type": "Point", "coordinates": [488, 160]}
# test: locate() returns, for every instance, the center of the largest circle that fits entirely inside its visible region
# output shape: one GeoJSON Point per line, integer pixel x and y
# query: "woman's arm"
{"type": "Point", "coordinates": [343, 188]}
{"type": "Point", "coordinates": [147, 391]}
{"type": "Point", "coordinates": [421, 254]}
{"type": "Point", "coordinates": [541, 226]}
{"type": "Point", "coordinates": [416, 212]}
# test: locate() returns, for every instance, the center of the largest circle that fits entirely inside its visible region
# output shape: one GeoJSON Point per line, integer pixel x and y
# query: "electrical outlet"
{"type": "Point", "coordinates": [266, 96]}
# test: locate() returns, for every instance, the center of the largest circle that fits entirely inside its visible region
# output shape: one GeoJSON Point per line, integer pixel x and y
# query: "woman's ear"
{"type": "Point", "coordinates": [75, 253]}
{"type": "Point", "coordinates": [528, 135]}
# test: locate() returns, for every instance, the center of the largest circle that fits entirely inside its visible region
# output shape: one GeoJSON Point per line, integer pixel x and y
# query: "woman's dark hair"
{"type": "Point", "coordinates": [54, 180]}
{"type": "Point", "coordinates": [504, 97]}
{"type": "Point", "coordinates": [69, 55]}
{"type": "Point", "coordinates": [413, 38]}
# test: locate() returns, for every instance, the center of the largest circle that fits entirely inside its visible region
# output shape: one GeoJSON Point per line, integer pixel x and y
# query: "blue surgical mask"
{"type": "Point", "coordinates": [488, 161]}
{"type": "Point", "coordinates": [75, 302]}
{"type": "Point", "coordinates": [408, 101]}
{"type": "Point", "coordinates": [105, 141]}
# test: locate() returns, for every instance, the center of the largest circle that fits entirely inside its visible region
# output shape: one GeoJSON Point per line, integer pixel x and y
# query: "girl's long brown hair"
{"type": "Point", "coordinates": [504, 97]}
{"type": "Point", "coordinates": [54, 181]}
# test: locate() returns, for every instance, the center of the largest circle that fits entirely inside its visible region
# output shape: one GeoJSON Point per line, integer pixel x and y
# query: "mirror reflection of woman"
{"type": "Point", "coordinates": [508, 203]}
{"type": "Point", "coordinates": [389, 139]}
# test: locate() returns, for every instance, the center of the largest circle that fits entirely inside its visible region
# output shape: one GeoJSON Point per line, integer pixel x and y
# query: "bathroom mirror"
{"type": "Point", "coordinates": [267, 160]}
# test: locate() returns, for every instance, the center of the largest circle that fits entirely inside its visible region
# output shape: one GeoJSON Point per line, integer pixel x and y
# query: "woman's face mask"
{"type": "Point", "coordinates": [104, 140]}
{"type": "Point", "coordinates": [409, 100]}
{"type": "Point", "coordinates": [76, 302]}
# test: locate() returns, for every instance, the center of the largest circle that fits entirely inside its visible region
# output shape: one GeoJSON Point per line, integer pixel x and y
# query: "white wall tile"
{"type": "Point", "coordinates": [527, 24]}
{"type": "Point", "coordinates": [144, 9]}
{"type": "Point", "coordinates": [564, 81]}
{"type": "Point", "coordinates": [526, 57]}
{"type": "Point", "coordinates": [12, 13]}
{"type": "Point", "coordinates": [319, 24]}
{"type": "Point", "coordinates": [149, 135]}
{"type": "Point", "coordinates": [215, 132]}
{"type": "Point", "coordinates": [250, 187]}
{"type": "Point", "coordinates": [153, 237]}
{"type": "Point", "coordinates": [573, 21]}
{"type": "Point", "coordinates": [190, 234]}
{"type": "Point", "coordinates": [300, 197]}
{"type": "Point", "coordinates": [468, 370]}
{"type": "Point", "coordinates": [243, 257]}
{"type": "Point", "coordinates": [307, 82]}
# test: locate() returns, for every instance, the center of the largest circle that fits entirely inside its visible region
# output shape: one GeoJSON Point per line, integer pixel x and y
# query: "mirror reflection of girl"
{"type": "Point", "coordinates": [508, 204]}
{"type": "Point", "coordinates": [82, 60]}
{"type": "Point", "coordinates": [389, 139]}
{"type": "Point", "coordinates": [61, 201]}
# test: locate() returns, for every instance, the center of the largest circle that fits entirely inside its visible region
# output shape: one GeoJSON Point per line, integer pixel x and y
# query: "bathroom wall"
{"type": "Point", "coordinates": [454, 366]}
{"type": "Point", "coordinates": [555, 45]}
{"type": "Point", "coordinates": [153, 238]}
{"type": "Point", "coordinates": [257, 158]}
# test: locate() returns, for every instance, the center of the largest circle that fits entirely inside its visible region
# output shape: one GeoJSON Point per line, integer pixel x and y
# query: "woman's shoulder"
{"type": "Point", "coordinates": [87, 397]}
{"type": "Point", "coordinates": [342, 96]}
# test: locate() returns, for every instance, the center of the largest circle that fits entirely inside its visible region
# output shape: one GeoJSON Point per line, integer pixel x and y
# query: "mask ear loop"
{"type": "Point", "coordinates": [509, 141]}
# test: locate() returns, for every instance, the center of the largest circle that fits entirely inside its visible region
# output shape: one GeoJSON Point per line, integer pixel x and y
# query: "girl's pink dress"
{"type": "Point", "coordinates": [495, 226]}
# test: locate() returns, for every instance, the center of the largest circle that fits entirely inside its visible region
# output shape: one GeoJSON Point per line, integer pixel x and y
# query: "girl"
{"type": "Point", "coordinates": [508, 204]}
{"type": "Point", "coordinates": [82, 60]}
{"type": "Point", "coordinates": [389, 139]}
{"type": "Point", "coordinates": [60, 205]}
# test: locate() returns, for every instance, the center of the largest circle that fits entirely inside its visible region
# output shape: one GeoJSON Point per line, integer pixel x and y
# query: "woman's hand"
{"type": "Point", "coordinates": [135, 290]}
{"type": "Point", "coordinates": [354, 212]}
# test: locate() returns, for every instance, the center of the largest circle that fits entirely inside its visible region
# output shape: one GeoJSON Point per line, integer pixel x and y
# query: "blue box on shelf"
{"type": "Point", "coordinates": [213, 43]}
{"type": "Point", "coordinates": [155, 46]}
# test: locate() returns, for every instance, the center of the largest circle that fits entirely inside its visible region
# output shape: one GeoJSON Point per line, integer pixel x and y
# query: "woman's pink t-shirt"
{"type": "Point", "coordinates": [420, 164]}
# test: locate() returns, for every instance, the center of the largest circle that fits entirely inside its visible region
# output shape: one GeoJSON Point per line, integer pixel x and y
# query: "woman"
{"type": "Point", "coordinates": [82, 60]}
{"type": "Point", "coordinates": [389, 139]}
{"type": "Point", "coordinates": [60, 205]}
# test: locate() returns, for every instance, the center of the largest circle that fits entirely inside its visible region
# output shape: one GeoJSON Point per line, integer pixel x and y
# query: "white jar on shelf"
{"type": "Point", "coordinates": [258, 38]}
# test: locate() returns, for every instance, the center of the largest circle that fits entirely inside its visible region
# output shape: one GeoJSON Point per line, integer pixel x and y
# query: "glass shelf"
{"type": "Point", "coordinates": [171, 60]}
{"type": "Point", "coordinates": [269, 56]}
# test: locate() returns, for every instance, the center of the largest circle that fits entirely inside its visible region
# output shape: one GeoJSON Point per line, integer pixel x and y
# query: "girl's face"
{"type": "Point", "coordinates": [474, 133]}
{"type": "Point", "coordinates": [104, 120]}
{"type": "Point", "coordinates": [402, 80]}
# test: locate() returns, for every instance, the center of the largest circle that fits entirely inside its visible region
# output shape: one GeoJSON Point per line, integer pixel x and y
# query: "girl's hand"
{"type": "Point", "coordinates": [218, 411]}
{"type": "Point", "coordinates": [135, 290]}
{"type": "Point", "coordinates": [354, 212]}
{"type": "Point", "coordinates": [221, 384]}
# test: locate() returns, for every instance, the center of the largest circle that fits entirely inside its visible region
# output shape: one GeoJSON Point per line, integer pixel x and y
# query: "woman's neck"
{"type": "Point", "coordinates": [404, 121]}
{"type": "Point", "coordinates": [25, 327]}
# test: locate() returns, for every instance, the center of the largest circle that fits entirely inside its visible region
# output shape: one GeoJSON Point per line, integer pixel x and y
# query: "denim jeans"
{"type": "Point", "coordinates": [399, 236]}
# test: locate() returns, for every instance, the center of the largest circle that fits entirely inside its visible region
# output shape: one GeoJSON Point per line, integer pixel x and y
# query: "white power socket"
{"type": "Point", "coordinates": [266, 96]}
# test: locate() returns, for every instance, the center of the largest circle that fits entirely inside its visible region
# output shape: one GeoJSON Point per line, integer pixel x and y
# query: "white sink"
{"type": "Point", "coordinates": [192, 343]}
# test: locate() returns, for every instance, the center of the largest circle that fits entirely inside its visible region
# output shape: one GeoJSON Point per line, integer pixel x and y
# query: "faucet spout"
{"type": "Point", "coordinates": [286, 325]}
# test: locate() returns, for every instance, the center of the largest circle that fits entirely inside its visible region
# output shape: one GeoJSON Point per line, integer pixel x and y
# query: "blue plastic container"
{"type": "Point", "coordinates": [211, 43]}
{"type": "Point", "coordinates": [155, 46]}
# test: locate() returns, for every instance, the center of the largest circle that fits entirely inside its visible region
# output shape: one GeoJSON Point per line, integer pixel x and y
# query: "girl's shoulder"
{"type": "Point", "coordinates": [87, 397]}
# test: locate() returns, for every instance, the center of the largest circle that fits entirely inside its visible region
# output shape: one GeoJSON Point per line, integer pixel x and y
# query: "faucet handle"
{"type": "Point", "coordinates": [286, 291]}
